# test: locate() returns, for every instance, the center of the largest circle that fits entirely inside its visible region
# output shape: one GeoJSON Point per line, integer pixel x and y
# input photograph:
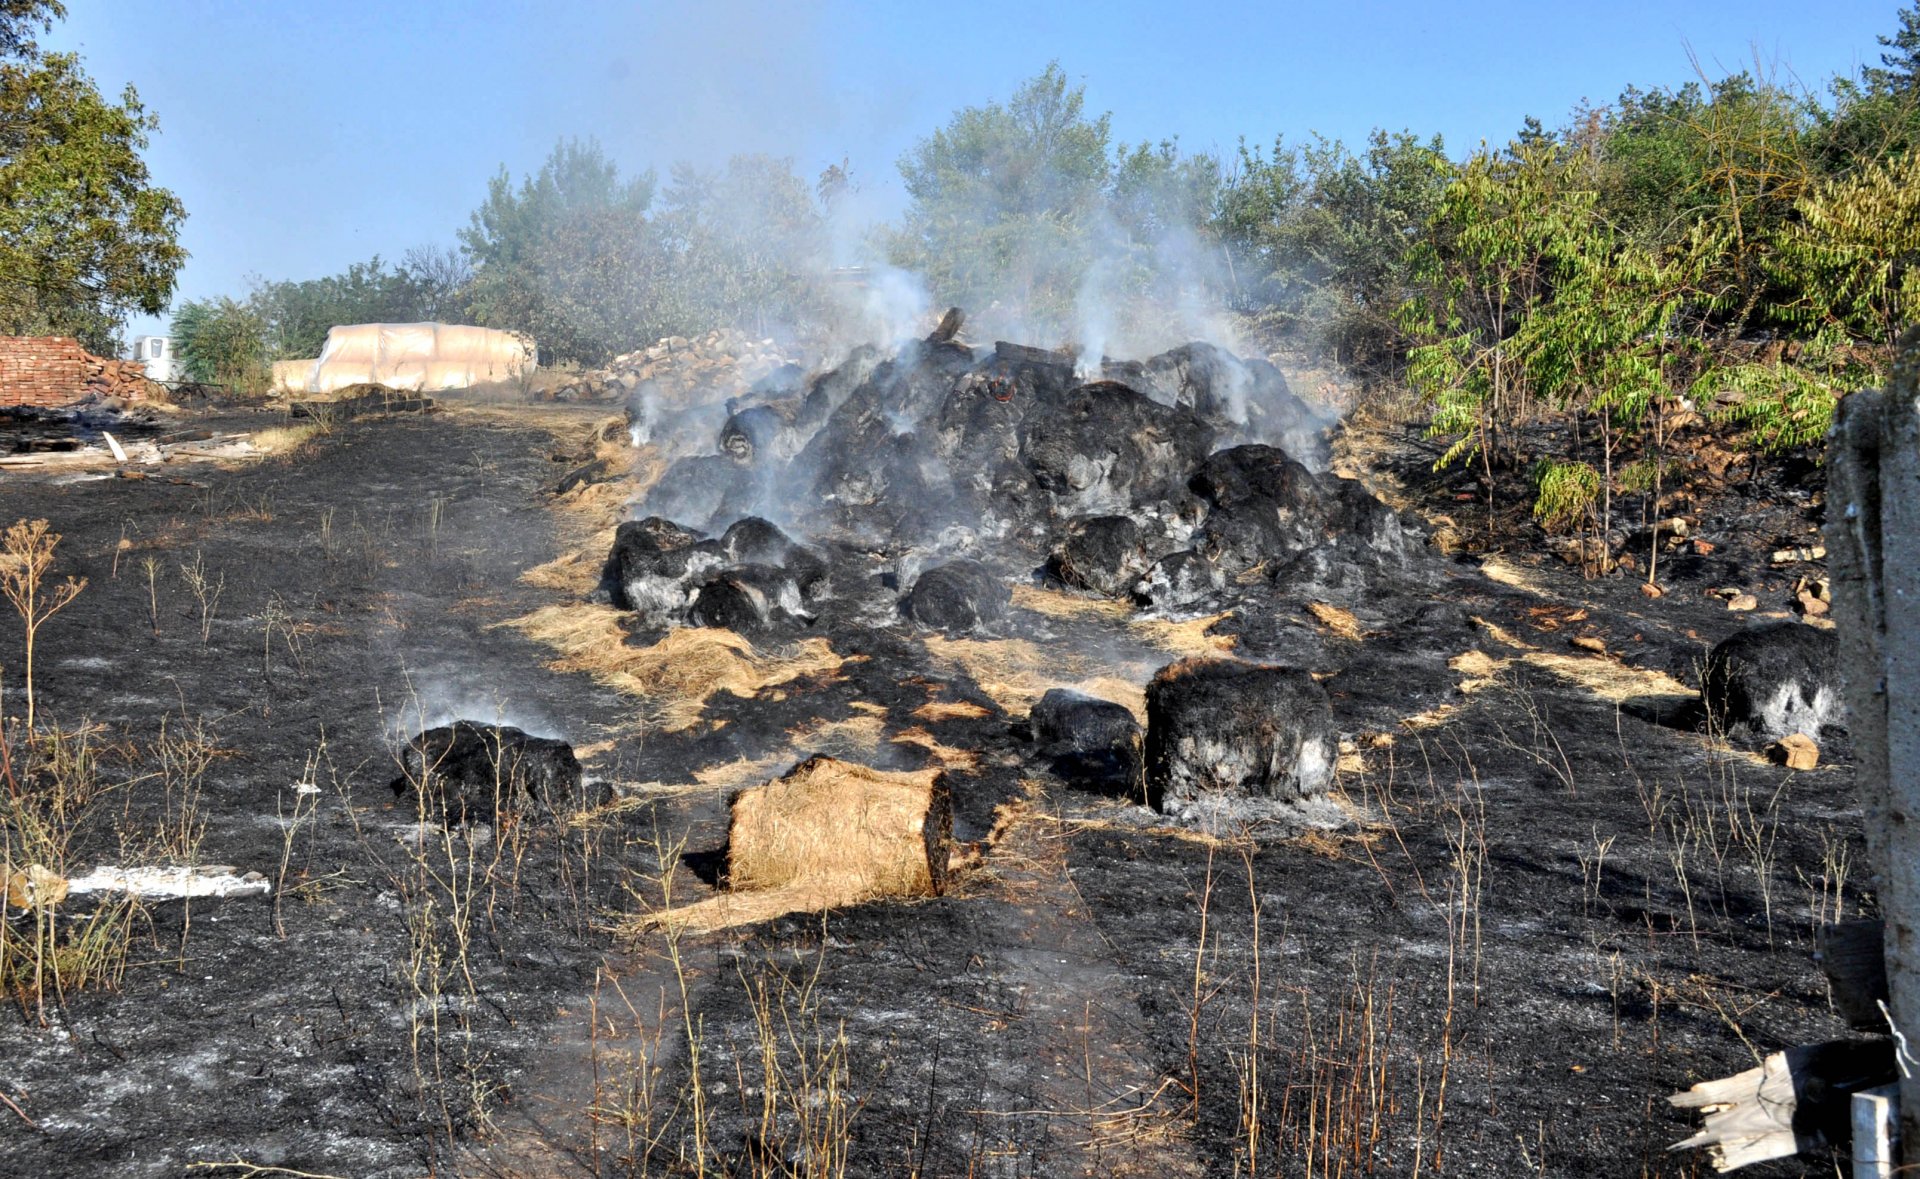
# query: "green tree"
{"type": "Point", "coordinates": [1003, 199]}
{"type": "Point", "coordinates": [222, 342]}
{"type": "Point", "coordinates": [568, 256]}
{"type": "Point", "coordinates": [297, 315]}
{"type": "Point", "coordinates": [1322, 239]}
{"type": "Point", "coordinates": [85, 238]}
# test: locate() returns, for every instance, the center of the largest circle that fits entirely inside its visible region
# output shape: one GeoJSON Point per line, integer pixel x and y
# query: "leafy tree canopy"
{"type": "Point", "coordinates": [85, 238]}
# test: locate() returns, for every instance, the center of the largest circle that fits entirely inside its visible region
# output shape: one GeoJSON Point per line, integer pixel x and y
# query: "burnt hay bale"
{"type": "Point", "coordinates": [956, 597]}
{"type": "Point", "coordinates": [1105, 555]}
{"type": "Point", "coordinates": [654, 565]}
{"type": "Point", "coordinates": [754, 541]}
{"type": "Point", "coordinates": [761, 433]}
{"type": "Point", "coordinates": [1178, 580]}
{"type": "Point", "coordinates": [1773, 680]}
{"type": "Point", "coordinates": [468, 772]}
{"type": "Point", "coordinates": [1092, 743]}
{"type": "Point", "coordinates": [1102, 447]}
{"type": "Point", "coordinates": [1221, 733]}
{"type": "Point", "coordinates": [748, 599]}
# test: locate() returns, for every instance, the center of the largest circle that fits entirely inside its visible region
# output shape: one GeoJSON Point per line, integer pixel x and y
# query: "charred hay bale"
{"type": "Point", "coordinates": [748, 599]}
{"type": "Point", "coordinates": [1220, 731]}
{"type": "Point", "coordinates": [842, 833]}
{"type": "Point", "coordinates": [1178, 580]}
{"type": "Point", "coordinates": [703, 488]}
{"type": "Point", "coordinates": [654, 564]}
{"type": "Point", "coordinates": [1105, 555]}
{"type": "Point", "coordinates": [759, 433]}
{"type": "Point", "coordinates": [1264, 506]}
{"type": "Point", "coordinates": [1092, 743]}
{"type": "Point", "coordinates": [754, 541]}
{"type": "Point", "coordinates": [1774, 679]}
{"type": "Point", "coordinates": [1245, 396]}
{"type": "Point", "coordinates": [468, 772]}
{"type": "Point", "coordinates": [828, 391]}
{"type": "Point", "coordinates": [1102, 447]}
{"type": "Point", "coordinates": [956, 597]}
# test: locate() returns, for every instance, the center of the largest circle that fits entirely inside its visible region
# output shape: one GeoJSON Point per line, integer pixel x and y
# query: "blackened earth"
{"type": "Point", "coordinates": [1546, 914]}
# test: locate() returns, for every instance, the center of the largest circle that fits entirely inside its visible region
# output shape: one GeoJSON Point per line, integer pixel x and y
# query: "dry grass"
{"type": "Point", "coordinates": [284, 439]}
{"type": "Point", "coordinates": [677, 675]}
{"type": "Point", "coordinates": [1059, 604]}
{"type": "Point", "coordinates": [1185, 638]}
{"type": "Point", "coordinates": [1014, 673]}
{"type": "Point", "coordinates": [1340, 621]}
{"type": "Point", "coordinates": [939, 710]}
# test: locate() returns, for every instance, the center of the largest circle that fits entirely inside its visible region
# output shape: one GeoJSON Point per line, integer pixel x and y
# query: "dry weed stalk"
{"type": "Point", "coordinates": [26, 555]}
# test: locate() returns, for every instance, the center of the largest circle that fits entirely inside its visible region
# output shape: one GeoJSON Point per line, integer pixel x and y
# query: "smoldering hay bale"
{"type": "Point", "coordinates": [827, 834]}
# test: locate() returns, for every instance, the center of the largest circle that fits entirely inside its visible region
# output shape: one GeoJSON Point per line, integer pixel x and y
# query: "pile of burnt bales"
{"type": "Point", "coordinates": [751, 578]}
{"type": "Point", "coordinates": [468, 772]}
{"type": "Point", "coordinates": [1161, 481]}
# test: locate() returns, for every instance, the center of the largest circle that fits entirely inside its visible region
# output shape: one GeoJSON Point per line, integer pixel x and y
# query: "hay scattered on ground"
{"type": "Point", "coordinates": [1498, 568]}
{"type": "Point", "coordinates": [283, 439]}
{"type": "Point", "coordinates": [1612, 681]}
{"type": "Point", "coordinates": [939, 710]}
{"type": "Point", "coordinates": [828, 834]}
{"type": "Point", "coordinates": [946, 755]}
{"type": "Point", "coordinates": [1186, 638]}
{"type": "Point", "coordinates": [1014, 673]}
{"type": "Point", "coordinates": [1340, 621]}
{"type": "Point", "coordinates": [1607, 679]}
{"type": "Point", "coordinates": [855, 735]}
{"type": "Point", "coordinates": [574, 574]}
{"type": "Point", "coordinates": [675, 676]}
{"type": "Point", "coordinates": [1058, 604]}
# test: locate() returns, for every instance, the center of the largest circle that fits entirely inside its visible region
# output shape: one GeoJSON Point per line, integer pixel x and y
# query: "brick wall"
{"type": "Point", "coordinates": [56, 370]}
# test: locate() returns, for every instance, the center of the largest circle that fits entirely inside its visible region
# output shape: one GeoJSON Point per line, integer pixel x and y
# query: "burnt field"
{"type": "Point", "coordinates": [1414, 861]}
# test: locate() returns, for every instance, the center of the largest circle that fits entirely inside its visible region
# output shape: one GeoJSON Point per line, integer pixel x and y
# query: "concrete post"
{"type": "Point", "coordinates": [1873, 546]}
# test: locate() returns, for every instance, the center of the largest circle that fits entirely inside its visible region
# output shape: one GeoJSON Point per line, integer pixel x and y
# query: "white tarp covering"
{"type": "Point", "coordinates": [418, 357]}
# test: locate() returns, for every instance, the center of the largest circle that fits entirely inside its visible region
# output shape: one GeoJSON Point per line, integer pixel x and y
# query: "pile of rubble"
{"type": "Point", "coordinates": [679, 371]}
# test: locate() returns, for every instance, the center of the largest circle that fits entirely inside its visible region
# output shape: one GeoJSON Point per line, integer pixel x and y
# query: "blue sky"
{"type": "Point", "coordinates": [305, 136]}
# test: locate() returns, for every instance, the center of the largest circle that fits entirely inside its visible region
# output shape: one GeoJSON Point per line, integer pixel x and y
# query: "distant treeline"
{"type": "Point", "coordinates": [1738, 242]}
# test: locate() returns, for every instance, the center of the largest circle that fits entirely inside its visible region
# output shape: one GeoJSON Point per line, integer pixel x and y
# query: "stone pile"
{"type": "Point", "coordinates": [679, 371]}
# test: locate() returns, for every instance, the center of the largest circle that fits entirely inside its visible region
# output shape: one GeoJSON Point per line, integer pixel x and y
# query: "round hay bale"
{"type": "Point", "coordinates": [957, 597]}
{"type": "Point", "coordinates": [843, 833]}
{"type": "Point", "coordinates": [1220, 731]}
{"type": "Point", "coordinates": [1774, 679]}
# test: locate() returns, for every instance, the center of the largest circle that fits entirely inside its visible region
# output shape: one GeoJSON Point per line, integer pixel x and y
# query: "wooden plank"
{"type": "Point", "coordinates": [1795, 1101]}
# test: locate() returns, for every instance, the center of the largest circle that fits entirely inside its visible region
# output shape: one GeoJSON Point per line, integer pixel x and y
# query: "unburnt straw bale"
{"type": "Point", "coordinates": [1220, 730]}
{"type": "Point", "coordinates": [472, 772]}
{"type": "Point", "coordinates": [1774, 679]}
{"type": "Point", "coordinates": [842, 832]}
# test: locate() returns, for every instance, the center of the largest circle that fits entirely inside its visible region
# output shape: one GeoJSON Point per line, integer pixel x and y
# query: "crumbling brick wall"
{"type": "Point", "coordinates": [56, 370]}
